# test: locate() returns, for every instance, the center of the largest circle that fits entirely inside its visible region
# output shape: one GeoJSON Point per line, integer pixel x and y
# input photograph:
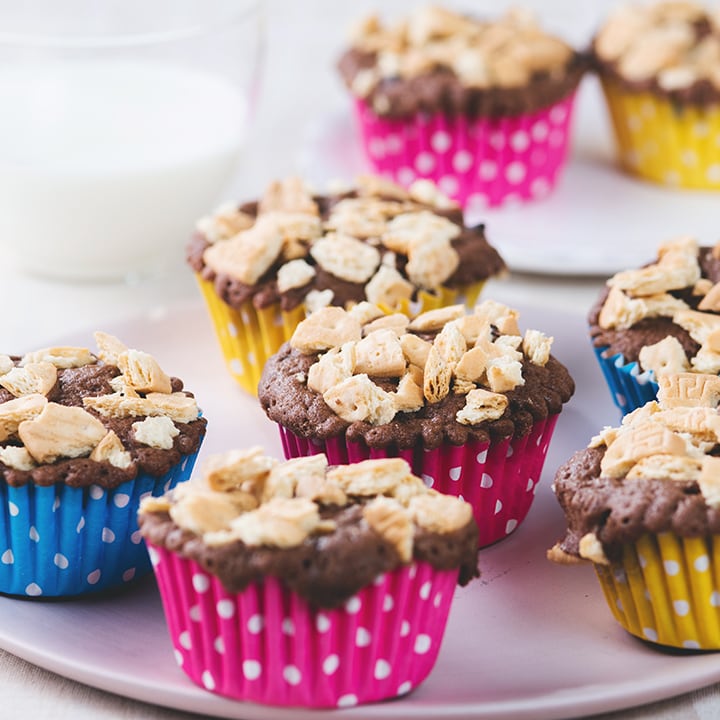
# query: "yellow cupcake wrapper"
{"type": "Point", "coordinates": [248, 336]}
{"type": "Point", "coordinates": [666, 590]}
{"type": "Point", "coordinates": [663, 142]}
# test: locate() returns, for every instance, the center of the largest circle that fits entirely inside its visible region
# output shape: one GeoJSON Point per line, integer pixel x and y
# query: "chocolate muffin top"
{"type": "Point", "coordinates": [325, 532]}
{"type": "Point", "coordinates": [376, 242]}
{"type": "Point", "coordinates": [440, 61]}
{"type": "Point", "coordinates": [671, 49]}
{"type": "Point", "coordinates": [666, 315]}
{"type": "Point", "coordinates": [658, 472]}
{"type": "Point", "coordinates": [445, 376]}
{"type": "Point", "coordinates": [67, 415]}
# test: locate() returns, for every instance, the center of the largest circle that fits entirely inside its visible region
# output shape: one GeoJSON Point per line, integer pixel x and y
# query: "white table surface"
{"type": "Point", "coordinates": [299, 89]}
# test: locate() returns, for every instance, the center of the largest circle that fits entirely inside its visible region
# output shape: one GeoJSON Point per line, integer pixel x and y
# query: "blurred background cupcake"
{"type": "Point", "coordinates": [482, 107]}
{"type": "Point", "coordinates": [262, 266]}
{"type": "Point", "coordinates": [466, 399]}
{"type": "Point", "coordinates": [641, 504]}
{"type": "Point", "coordinates": [659, 319]}
{"type": "Point", "coordinates": [83, 437]}
{"type": "Point", "coordinates": [298, 584]}
{"type": "Point", "coordinates": [660, 71]}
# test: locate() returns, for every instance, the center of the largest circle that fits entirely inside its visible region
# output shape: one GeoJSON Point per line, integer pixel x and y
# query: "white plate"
{"type": "Point", "coordinates": [528, 640]}
{"type": "Point", "coordinates": [596, 222]}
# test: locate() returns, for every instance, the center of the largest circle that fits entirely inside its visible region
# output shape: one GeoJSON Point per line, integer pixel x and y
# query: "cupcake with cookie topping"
{"type": "Point", "coordinates": [467, 399]}
{"type": "Point", "coordinates": [659, 319]}
{"type": "Point", "coordinates": [263, 266]}
{"type": "Point", "coordinates": [301, 584]}
{"type": "Point", "coordinates": [642, 504]}
{"type": "Point", "coordinates": [83, 437]}
{"type": "Point", "coordinates": [481, 107]}
{"type": "Point", "coordinates": [660, 70]}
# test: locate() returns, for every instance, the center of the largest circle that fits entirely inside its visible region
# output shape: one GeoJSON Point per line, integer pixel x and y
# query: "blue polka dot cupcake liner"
{"type": "Point", "coordinates": [629, 386]}
{"type": "Point", "coordinates": [58, 540]}
{"type": "Point", "coordinates": [268, 645]}
{"type": "Point", "coordinates": [498, 478]}
{"type": "Point", "coordinates": [666, 590]}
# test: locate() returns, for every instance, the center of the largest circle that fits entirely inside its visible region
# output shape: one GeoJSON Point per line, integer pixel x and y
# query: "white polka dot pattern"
{"type": "Point", "coordinates": [292, 675]}
{"type": "Point", "coordinates": [251, 669]}
{"type": "Point", "coordinates": [200, 582]}
{"type": "Point", "coordinates": [65, 541]}
{"type": "Point", "coordinates": [665, 590]}
{"type": "Point", "coordinates": [242, 659]}
{"type": "Point", "coordinates": [658, 143]}
{"type": "Point", "coordinates": [480, 162]}
{"type": "Point", "coordinates": [498, 480]}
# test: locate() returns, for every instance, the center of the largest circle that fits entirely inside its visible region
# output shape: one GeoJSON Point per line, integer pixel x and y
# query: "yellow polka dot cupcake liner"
{"type": "Point", "coordinates": [666, 590]}
{"type": "Point", "coordinates": [248, 336]}
{"type": "Point", "coordinates": [659, 140]}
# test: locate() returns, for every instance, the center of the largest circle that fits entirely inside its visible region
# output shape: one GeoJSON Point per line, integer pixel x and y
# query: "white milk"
{"type": "Point", "coordinates": [105, 167]}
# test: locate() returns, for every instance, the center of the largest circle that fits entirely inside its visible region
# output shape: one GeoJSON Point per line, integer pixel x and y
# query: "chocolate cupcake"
{"type": "Point", "coordinates": [301, 584]}
{"type": "Point", "coordinates": [642, 504]}
{"type": "Point", "coordinates": [482, 108]}
{"type": "Point", "coordinates": [468, 401]}
{"type": "Point", "coordinates": [263, 265]}
{"type": "Point", "coordinates": [82, 438]}
{"type": "Point", "coordinates": [660, 70]}
{"type": "Point", "coordinates": [659, 319]}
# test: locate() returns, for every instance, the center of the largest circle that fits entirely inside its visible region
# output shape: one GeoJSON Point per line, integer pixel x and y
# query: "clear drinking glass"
{"type": "Point", "coordinates": [121, 121]}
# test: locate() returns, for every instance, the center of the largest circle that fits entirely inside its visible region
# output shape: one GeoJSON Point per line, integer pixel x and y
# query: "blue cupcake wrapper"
{"type": "Point", "coordinates": [630, 387]}
{"type": "Point", "coordinates": [59, 540]}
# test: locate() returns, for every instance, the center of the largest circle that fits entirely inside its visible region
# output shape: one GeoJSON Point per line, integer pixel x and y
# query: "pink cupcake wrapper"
{"type": "Point", "coordinates": [497, 478]}
{"type": "Point", "coordinates": [267, 645]}
{"type": "Point", "coordinates": [479, 162]}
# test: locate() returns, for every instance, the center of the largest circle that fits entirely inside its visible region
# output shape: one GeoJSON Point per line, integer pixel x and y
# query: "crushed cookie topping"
{"type": "Point", "coordinates": [262, 502]}
{"type": "Point", "coordinates": [468, 355]}
{"type": "Point", "coordinates": [40, 431]}
{"type": "Point", "coordinates": [503, 53]}
{"type": "Point", "coordinates": [358, 242]}
{"type": "Point", "coordinates": [670, 439]}
{"type": "Point", "coordinates": [663, 42]}
{"type": "Point", "coordinates": [646, 293]}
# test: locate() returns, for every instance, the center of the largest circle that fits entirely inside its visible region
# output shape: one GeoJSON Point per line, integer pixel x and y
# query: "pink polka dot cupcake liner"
{"type": "Point", "coordinates": [59, 540]}
{"type": "Point", "coordinates": [480, 162]}
{"type": "Point", "coordinates": [498, 478]}
{"type": "Point", "coordinates": [268, 645]}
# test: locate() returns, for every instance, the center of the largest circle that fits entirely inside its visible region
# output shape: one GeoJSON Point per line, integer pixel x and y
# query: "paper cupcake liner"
{"type": "Point", "coordinates": [267, 645]}
{"type": "Point", "coordinates": [497, 478]}
{"type": "Point", "coordinates": [480, 163]}
{"type": "Point", "coordinates": [248, 336]}
{"type": "Point", "coordinates": [630, 387]}
{"type": "Point", "coordinates": [666, 590]}
{"type": "Point", "coordinates": [60, 540]}
{"type": "Point", "coordinates": [663, 141]}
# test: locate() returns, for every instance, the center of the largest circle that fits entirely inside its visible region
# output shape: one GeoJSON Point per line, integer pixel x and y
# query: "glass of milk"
{"type": "Point", "coordinates": [121, 121]}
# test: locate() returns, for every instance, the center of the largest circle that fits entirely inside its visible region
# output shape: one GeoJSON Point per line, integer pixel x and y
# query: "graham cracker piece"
{"type": "Point", "coordinates": [380, 354]}
{"type": "Point", "coordinates": [61, 431]}
{"type": "Point", "coordinates": [289, 195]}
{"type": "Point", "coordinates": [61, 357]}
{"type": "Point", "coordinates": [709, 481]}
{"type": "Point", "coordinates": [13, 412]}
{"type": "Point", "coordinates": [647, 439]}
{"type": "Point", "coordinates": [346, 257]}
{"type": "Point", "coordinates": [389, 519]}
{"type": "Point", "coordinates": [359, 399]}
{"type": "Point", "coordinates": [688, 389]}
{"type": "Point", "coordinates": [326, 328]}
{"type": "Point", "coordinates": [664, 357]}
{"type": "Point", "coordinates": [481, 405]}
{"type": "Point", "coordinates": [334, 366]}
{"type": "Point", "coordinates": [249, 254]}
